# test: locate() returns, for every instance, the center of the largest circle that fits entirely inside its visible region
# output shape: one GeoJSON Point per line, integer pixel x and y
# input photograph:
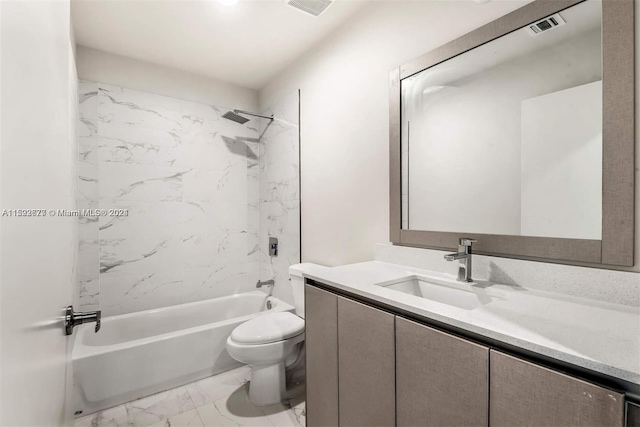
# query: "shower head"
{"type": "Point", "coordinates": [236, 117]}
{"type": "Point", "coordinates": [231, 115]}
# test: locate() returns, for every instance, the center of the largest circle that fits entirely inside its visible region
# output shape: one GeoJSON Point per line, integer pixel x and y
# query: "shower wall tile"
{"type": "Point", "coordinates": [253, 259]}
{"type": "Point", "coordinates": [279, 193]}
{"type": "Point", "coordinates": [253, 206]}
{"type": "Point", "coordinates": [210, 250]}
{"type": "Point", "coordinates": [148, 240]}
{"type": "Point", "coordinates": [279, 165]}
{"type": "Point", "coordinates": [206, 185]}
{"type": "Point", "coordinates": [129, 150]}
{"type": "Point", "coordinates": [189, 180]}
{"type": "Point", "coordinates": [162, 219]}
{"type": "Point", "coordinates": [121, 105]}
{"type": "Point", "coordinates": [217, 151]}
{"type": "Point", "coordinates": [139, 255]}
{"type": "Point", "coordinates": [121, 182]}
{"type": "Point", "coordinates": [90, 293]}
{"type": "Point", "coordinates": [88, 254]}
{"type": "Point", "coordinates": [280, 217]}
{"type": "Point", "coordinates": [143, 291]}
{"type": "Point", "coordinates": [73, 171]}
{"type": "Point", "coordinates": [88, 248]}
{"type": "Point", "coordinates": [225, 278]}
{"type": "Point", "coordinates": [203, 196]}
{"type": "Point", "coordinates": [88, 123]}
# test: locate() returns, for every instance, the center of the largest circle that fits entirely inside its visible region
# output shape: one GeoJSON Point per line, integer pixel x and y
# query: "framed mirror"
{"type": "Point", "coordinates": [520, 134]}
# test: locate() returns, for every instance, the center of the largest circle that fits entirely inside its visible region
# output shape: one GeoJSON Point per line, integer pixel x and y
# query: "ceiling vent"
{"type": "Point", "coordinates": [312, 7]}
{"type": "Point", "coordinates": [546, 24]}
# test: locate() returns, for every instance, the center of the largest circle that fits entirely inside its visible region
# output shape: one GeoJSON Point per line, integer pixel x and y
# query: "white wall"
{"type": "Point", "coordinates": [103, 67]}
{"type": "Point", "coordinates": [561, 177]}
{"type": "Point", "coordinates": [345, 116]}
{"type": "Point", "coordinates": [37, 171]}
{"type": "Point", "coordinates": [344, 85]}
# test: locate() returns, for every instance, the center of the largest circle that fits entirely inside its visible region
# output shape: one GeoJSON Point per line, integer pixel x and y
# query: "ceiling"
{"type": "Point", "coordinates": [246, 44]}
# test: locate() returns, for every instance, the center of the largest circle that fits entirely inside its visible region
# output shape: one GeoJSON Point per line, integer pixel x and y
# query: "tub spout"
{"type": "Point", "coordinates": [265, 283]}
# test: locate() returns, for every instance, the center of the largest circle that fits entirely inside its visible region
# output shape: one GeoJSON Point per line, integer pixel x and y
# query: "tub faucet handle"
{"type": "Point", "coordinates": [73, 319]}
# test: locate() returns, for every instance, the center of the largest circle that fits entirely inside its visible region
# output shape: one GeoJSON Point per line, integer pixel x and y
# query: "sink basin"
{"type": "Point", "coordinates": [449, 293]}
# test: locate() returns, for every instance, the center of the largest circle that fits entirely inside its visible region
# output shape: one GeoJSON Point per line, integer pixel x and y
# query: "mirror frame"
{"type": "Point", "coordinates": [618, 137]}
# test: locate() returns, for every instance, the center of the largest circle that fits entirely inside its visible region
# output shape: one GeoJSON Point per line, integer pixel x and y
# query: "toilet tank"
{"type": "Point", "coordinates": [297, 283]}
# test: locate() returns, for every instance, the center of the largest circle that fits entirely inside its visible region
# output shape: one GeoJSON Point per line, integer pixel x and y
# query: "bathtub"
{"type": "Point", "coordinates": [138, 354]}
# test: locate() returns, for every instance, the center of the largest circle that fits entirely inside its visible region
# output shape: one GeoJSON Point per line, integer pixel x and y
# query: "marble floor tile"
{"type": "Point", "coordinates": [243, 375]}
{"type": "Point", "coordinates": [151, 409]}
{"type": "Point", "coordinates": [298, 407]}
{"type": "Point", "coordinates": [186, 419]}
{"type": "Point", "coordinates": [112, 417]}
{"type": "Point", "coordinates": [217, 401]}
{"type": "Point", "coordinates": [233, 410]}
{"type": "Point", "coordinates": [215, 387]}
{"type": "Point", "coordinates": [284, 415]}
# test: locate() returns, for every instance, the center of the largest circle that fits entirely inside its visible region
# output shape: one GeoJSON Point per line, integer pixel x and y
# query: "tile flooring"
{"type": "Point", "coordinates": [218, 401]}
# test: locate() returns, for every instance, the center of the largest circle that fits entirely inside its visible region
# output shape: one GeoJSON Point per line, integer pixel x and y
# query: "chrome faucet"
{"type": "Point", "coordinates": [464, 255]}
{"type": "Point", "coordinates": [265, 283]}
{"type": "Point", "coordinates": [270, 283]}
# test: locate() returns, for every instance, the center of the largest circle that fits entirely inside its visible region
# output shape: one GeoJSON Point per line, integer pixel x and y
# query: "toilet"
{"type": "Point", "coordinates": [272, 344]}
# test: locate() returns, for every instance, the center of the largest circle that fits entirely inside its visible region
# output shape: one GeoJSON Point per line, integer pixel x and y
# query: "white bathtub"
{"type": "Point", "coordinates": [138, 354]}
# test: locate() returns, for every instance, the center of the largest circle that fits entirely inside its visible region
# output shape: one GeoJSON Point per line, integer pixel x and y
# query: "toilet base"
{"type": "Point", "coordinates": [268, 385]}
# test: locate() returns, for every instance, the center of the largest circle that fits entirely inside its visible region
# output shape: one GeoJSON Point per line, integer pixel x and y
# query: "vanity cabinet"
{"type": "Point", "coordinates": [526, 394]}
{"type": "Point", "coordinates": [321, 329]}
{"type": "Point", "coordinates": [442, 380]}
{"type": "Point", "coordinates": [370, 367]}
{"type": "Point", "coordinates": [366, 365]}
{"type": "Point", "coordinates": [355, 386]}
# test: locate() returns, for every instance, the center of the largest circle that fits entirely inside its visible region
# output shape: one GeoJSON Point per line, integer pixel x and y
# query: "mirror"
{"type": "Point", "coordinates": [520, 134]}
{"type": "Point", "coordinates": [507, 138]}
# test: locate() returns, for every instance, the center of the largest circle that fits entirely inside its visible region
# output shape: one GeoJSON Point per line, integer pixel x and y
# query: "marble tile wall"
{"type": "Point", "coordinates": [74, 118]}
{"type": "Point", "coordinates": [279, 190]}
{"type": "Point", "coordinates": [88, 249]}
{"type": "Point", "coordinates": [188, 179]}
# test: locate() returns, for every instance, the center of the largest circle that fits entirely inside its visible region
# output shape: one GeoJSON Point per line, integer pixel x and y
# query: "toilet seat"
{"type": "Point", "coordinates": [268, 328]}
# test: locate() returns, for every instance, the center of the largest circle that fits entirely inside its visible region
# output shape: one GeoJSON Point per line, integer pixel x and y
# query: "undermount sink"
{"type": "Point", "coordinates": [444, 292]}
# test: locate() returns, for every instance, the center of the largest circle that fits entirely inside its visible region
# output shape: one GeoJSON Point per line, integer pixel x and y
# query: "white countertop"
{"type": "Point", "coordinates": [599, 336]}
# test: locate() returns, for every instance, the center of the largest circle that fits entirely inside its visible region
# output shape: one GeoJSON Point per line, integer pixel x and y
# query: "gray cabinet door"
{"type": "Point", "coordinates": [366, 365]}
{"type": "Point", "coordinates": [525, 394]}
{"type": "Point", "coordinates": [442, 380]}
{"type": "Point", "coordinates": [321, 316]}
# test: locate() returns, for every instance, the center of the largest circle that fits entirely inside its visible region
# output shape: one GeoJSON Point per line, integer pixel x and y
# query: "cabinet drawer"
{"type": "Point", "coordinates": [526, 394]}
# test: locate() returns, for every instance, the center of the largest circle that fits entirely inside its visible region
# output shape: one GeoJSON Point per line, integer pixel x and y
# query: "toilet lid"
{"type": "Point", "coordinates": [268, 328]}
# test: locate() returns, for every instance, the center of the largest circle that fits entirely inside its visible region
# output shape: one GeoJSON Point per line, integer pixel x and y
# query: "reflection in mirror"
{"type": "Point", "coordinates": [507, 138]}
